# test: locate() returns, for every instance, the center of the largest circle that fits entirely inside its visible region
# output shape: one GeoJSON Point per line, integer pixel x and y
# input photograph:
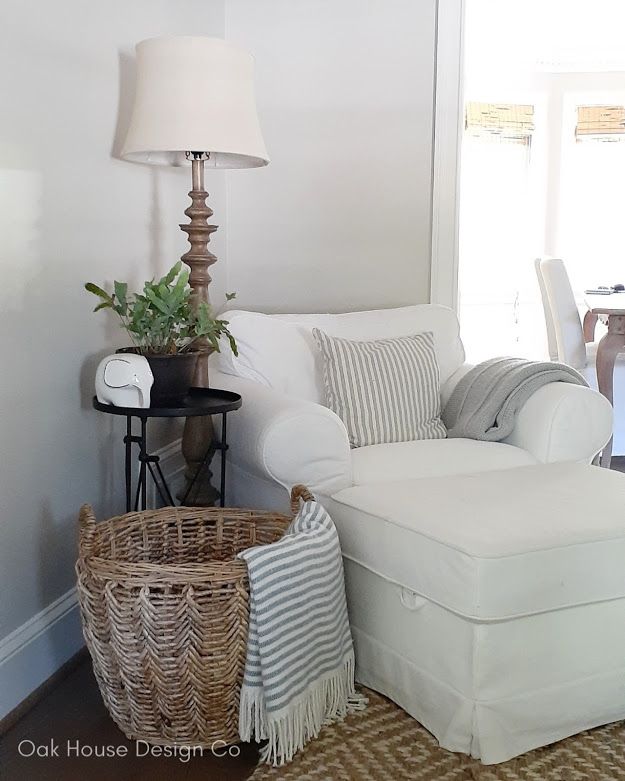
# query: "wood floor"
{"type": "Point", "coordinates": [73, 711]}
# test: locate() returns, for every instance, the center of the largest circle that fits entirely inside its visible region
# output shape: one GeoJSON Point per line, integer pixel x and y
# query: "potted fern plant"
{"type": "Point", "coordinates": [165, 327]}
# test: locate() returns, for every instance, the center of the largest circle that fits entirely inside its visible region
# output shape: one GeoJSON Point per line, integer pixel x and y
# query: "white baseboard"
{"type": "Point", "coordinates": [36, 649]}
{"type": "Point", "coordinates": [173, 466]}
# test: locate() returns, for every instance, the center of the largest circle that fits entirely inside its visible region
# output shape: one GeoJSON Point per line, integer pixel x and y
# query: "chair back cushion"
{"type": "Point", "coordinates": [384, 390]}
{"type": "Point", "coordinates": [552, 344]}
{"type": "Point", "coordinates": [279, 351]}
{"type": "Point", "coordinates": [567, 324]}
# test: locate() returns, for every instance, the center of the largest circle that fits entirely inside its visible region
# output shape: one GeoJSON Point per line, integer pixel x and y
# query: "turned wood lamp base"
{"type": "Point", "coordinates": [178, 78]}
{"type": "Point", "coordinates": [198, 432]}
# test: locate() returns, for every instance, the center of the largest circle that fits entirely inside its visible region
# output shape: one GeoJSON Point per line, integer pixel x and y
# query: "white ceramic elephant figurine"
{"type": "Point", "coordinates": [124, 380]}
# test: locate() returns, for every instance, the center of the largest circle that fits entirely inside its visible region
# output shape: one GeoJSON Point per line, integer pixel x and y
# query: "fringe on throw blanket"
{"type": "Point", "coordinates": [326, 701]}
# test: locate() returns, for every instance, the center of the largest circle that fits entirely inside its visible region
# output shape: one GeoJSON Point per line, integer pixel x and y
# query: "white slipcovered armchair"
{"type": "Point", "coordinates": [483, 582]}
{"type": "Point", "coordinates": [284, 435]}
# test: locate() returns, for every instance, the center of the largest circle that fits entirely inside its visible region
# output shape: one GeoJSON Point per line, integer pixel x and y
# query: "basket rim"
{"type": "Point", "coordinates": [148, 567]}
{"type": "Point", "coordinates": [211, 515]}
{"type": "Point", "coordinates": [198, 512]}
{"type": "Point", "coordinates": [106, 565]}
{"type": "Point", "coordinates": [111, 567]}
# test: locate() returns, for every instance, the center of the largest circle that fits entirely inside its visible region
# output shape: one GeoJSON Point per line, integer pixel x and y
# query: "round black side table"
{"type": "Point", "coordinates": [198, 402]}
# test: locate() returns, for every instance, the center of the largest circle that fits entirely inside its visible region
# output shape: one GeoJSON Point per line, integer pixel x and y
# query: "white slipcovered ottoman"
{"type": "Point", "coordinates": [491, 606]}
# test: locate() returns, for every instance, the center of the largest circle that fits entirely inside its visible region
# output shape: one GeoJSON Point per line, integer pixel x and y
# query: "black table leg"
{"type": "Point", "coordinates": [224, 447]}
{"type": "Point", "coordinates": [143, 457]}
{"type": "Point", "coordinates": [159, 481]}
{"type": "Point", "coordinates": [137, 494]}
{"type": "Point", "coordinates": [128, 464]}
{"type": "Point", "coordinates": [206, 460]}
{"type": "Point", "coordinates": [164, 492]}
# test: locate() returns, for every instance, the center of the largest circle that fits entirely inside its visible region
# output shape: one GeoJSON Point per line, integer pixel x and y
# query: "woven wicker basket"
{"type": "Point", "coordinates": [164, 606]}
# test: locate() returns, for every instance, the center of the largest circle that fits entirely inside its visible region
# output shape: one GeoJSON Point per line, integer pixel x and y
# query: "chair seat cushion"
{"type": "Point", "coordinates": [493, 545]}
{"type": "Point", "coordinates": [433, 457]}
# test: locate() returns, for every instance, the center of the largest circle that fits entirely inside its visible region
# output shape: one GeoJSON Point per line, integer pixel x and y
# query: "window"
{"type": "Point", "coordinates": [591, 194]}
{"type": "Point", "coordinates": [498, 305]}
{"type": "Point", "coordinates": [542, 162]}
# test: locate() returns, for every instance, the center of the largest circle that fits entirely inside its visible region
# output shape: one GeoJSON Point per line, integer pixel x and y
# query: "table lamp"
{"type": "Point", "coordinates": [194, 105]}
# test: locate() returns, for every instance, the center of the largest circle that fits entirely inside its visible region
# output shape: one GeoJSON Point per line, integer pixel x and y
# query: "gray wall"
{"type": "Point", "coordinates": [339, 220]}
{"type": "Point", "coordinates": [341, 217]}
{"type": "Point", "coordinates": [70, 212]}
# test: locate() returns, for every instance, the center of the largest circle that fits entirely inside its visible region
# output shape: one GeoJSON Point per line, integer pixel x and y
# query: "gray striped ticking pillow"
{"type": "Point", "coordinates": [385, 390]}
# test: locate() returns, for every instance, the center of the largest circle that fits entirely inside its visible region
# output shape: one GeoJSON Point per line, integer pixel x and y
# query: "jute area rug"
{"type": "Point", "coordinates": [383, 742]}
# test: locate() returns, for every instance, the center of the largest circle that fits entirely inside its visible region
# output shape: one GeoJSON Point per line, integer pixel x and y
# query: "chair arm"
{"type": "Point", "coordinates": [287, 440]}
{"type": "Point", "coordinates": [559, 422]}
{"type": "Point", "coordinates": [563, 422]}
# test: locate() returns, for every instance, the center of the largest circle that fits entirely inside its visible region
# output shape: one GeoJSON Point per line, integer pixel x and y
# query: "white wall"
{"type": "Point", "coordinates": [69, 213]}
{"type": "Point", "coordinates": [340, 219]}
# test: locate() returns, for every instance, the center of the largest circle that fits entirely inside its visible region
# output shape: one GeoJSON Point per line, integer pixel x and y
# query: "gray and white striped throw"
{"type": "Point", "coordinates": [299, 671]}
{"type": "Point", "coordinates": [385, 390]}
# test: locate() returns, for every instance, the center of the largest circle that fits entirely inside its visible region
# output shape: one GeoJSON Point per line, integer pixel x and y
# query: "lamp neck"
{"type": "Point", "coordinates": [197, 173]}
{"type": "Point", "coordinates": [197, 167]}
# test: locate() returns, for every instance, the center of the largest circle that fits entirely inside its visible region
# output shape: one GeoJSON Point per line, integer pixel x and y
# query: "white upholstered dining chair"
{"type": "Point", "coordinates": [552, 345]}
{"type": "Point", "coordinates": [566, 341]}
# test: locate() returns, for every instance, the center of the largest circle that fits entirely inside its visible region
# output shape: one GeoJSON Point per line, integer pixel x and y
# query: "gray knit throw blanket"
{"type": "Point", "coordinates": [299, 671]}
{"type": "Point", "coordinates": [486, 401]}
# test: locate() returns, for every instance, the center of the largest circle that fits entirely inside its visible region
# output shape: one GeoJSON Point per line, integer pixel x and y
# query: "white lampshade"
{"type": "Point", "coordinates": [194, 94]}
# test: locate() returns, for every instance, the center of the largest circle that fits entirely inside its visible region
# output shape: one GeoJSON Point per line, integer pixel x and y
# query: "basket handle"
{"type": "Point", "coordinates": [299, 492]}
{"type": "Point", "coordinates": [86, 529]}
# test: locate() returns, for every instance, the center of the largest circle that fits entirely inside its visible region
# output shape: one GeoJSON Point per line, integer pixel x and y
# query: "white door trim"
{"type": "Point", "coordinates": [446, 158]}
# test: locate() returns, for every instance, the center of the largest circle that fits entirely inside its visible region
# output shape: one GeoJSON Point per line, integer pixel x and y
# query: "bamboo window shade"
{"type": "Point", "coordinates": [600, 123]}
{"type": "Point", "coordinates": [508, 121]}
